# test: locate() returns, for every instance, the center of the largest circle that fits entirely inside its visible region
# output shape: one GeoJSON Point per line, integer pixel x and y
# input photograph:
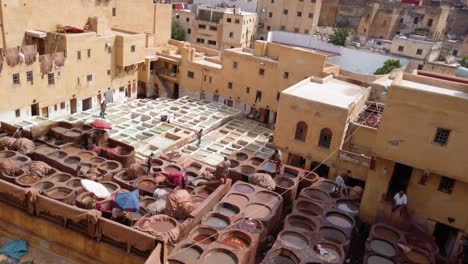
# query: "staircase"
{"type": "Point", "coordinates": [162, 83]}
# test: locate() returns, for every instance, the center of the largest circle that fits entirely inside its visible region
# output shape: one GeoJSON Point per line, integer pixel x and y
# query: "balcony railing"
{"type": "Point", "coordinates": [357, 158]}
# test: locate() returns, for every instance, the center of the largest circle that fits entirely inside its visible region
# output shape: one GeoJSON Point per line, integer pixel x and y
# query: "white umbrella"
{"type": "Point", "coordinates": [98, 189]}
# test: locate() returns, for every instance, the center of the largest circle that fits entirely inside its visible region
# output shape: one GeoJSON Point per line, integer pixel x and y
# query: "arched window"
{"type": "Point", "coordinates": [325, 138]}
{"type": "Point", "coordinates": [301, 131]}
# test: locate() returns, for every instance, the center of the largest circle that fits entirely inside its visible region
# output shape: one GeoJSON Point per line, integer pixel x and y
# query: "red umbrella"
{"type": "Point", "coordinates": [101, 124]}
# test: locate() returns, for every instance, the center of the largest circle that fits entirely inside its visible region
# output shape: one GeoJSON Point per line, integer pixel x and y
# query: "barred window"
{"type": "Point", "coordinates": [301, 131]}
{"type": "Point", "coordinates": [325, 138]}
{"type": "Point", "coordinates": [441, 136]}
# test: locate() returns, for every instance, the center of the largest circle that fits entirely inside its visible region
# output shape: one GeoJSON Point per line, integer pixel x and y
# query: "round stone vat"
{"type": "Point", "coordinates": [57, 154]}
{"type": "Point", "coordinates": [266, 197]}
{"type": "Point", "coordinates": [241, 156]}
{"type": "Point", "coordinates": [284, 183]}
{"type": "Point", "coordinates": [418, 256]}
{"type": "Point", "coordinates": [171, 168]}
{"type": "Point", "coordinates": [202, 191]}
{"type": "Point", "coordinates": [111, 187]}
{"type": "Point", "coordinates": [327, 186]}
{"type": "Point", "coordinates": [146, 201]}
{"type": "Point", "coordinates": [238, 199]}
{"type": "Point", "coordinates": [110, 165]}
{"type": "Point", "coordinates": [164, 226]}
{"type": "Point", "coordinates": [146, 184]}
{"type": "Point", "coordinates": [43, 185]}
{"type": "Point", "coordinates": [236, 240]}
{"type": "Point", "coordinates": [65, 195]}
{"type": "Point", "coordinates": [289, 173]}
{"type": "Point", "coordinates": [73, 183]}
{"type": "Point", "coordinates": [6, 154]}
{"type": "Point", "coordinates": [194, 167]}
{"type": "Point", "coordinates": [382, 247]}
{"type": "Point", "coordinates": [256, 161]}
{"type": "Point", "coordinates": [301, 223]}
{"type": "Point", "coordinates": [247, 170]}
{"type": "Point", "coordinates": [217, 220]}
{"type": "Point", "coordinates": [334, 255]}
{"type": "Point", "coordinates": [243, 188]}
{"type": "Point", "coordinates": [282, 256]}
{"type": "Point", "coordinates": [348, 206]}
{"type": "Point", "coordinates": [293, 239]}
{"type": "Point", "coordinates": [27, 180]}
{"type": "Point", "coordinates": [227, 209]}
{"type": "Point", "coordinates": [197, 181]}
{"type": "Point", "coordinates": [83, 200]}
{"type": "Point", "coordinates": [258, 211]}
{"type": "Point", "coordinates": [60, 177]}
{"type": "Point", "coordinates": [234, 164]}
{"type": "Point", "coordinates": [72, 160]}
{"type": "Point", "coordinates": [21, 159]}
{"type": "Point", "coordinates": [308, 179]}
{"type": "Point", "coordinates": [84, 155]}
{"type": "Point", "coordinates": [375, 259]}
{"type": "Point", "coordinates": [333, 234]}
{"type": "Point", "coordinates": [205, 235]}
{"type": "Point", "coordinates": [156, 163]}
{"type": "Point", "coordinates": [97, 160]}
{"type": "Point", "coordinates": [249, 225]}
{"type": "Point", "coordinates": [316, 194]}
{"type": "Point", "coordinates": [218, 256]}
{"type": "Point", "coordinates": [188, 253]}
{"type": "Point", "coordinates": [72, 150]}
{"type": "Point", "coordinates": [192, 175]}
{"type": "Point", "coordinates": [308, 207]}
{"type": "Point", "coordinates": [385, 232]}
{"type": "Point", "coordinates": [339, 219]}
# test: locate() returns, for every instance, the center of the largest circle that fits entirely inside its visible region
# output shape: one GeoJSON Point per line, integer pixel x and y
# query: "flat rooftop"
{"type": "Point", "coordinates": [333, 92]}
{"type": "Point", "coordinates": [433, 89]}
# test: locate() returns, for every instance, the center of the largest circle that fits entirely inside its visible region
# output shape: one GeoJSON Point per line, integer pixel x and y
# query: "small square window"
{"type": "Point", "coordinates": [187, 19]}
{"type": "Point", "coordinates": [78, 55]}
{"type": "Point", "coordinates": [121, 89]}
{"type": "Point", "coordinates": [51, 78]}
{"type": "Point", "coordinates": [420, 66]}
{"type": "Point", "coordinates": [16, 78]}
{"type": "Point", "coordinates": [285, 11]}
{"type": "Point", "coordinates": [201, 26]}
{"type": "Point", "coordinates": [62, 105]}
{"type": "Point", "coordinates": [237, 21]}
{"type": "Point", "coordinates": [234, 64]}
{"type": "Point", "coordinates": [296, 30]}
{"type": "Point", "coordinates": [446, 185]}
{"type": "Point", "coordinates": [190, 74]}
{"type": "Point", "coordinates": [311, 15]}
{"type": "Point", "coordinates": [114, 11]}
{"type": "Point", "coordinates": [286, 75]}
{"type": "Point", "coordinates": [231, 34]}
{"type": "Point", "coordinates": [230, 85]}
{"type": "Point", "coordinates": [268, 28]}
{"type": "Point", "coordinates": [270, 14]}
{"type": "Point", "coordinates": [177, 16]}
{"type": "Point", "coordinates": [17, 113]}
{"type": "Point", "coordinates": [89, 53]}
{"type": "Point", "coordinates": [306, 31]}
{"type": "Point", "coordinates": [441, 136]}
{"type": "Point", "coordinates": [299, 14]}
{"type": "Point", "coordinates": [419, 52]}
{"type": "Point", "coordinates": [247, 90]}
{"type": "Point", "coordinates": [401, 48]}
{"type": "Point", "coordinates": [261, 71]}
{"type": "Point", "coordinates": [89, 78]}
{"type": "Point", "coordinates": [132, 48]}
{"type": "Point", "coordinates": [229, 20]}
{"type": "Point", "coordinates": [29, 76]}
{"type": "Point", "coordinates": [55, 107]}
{"type": "Point", "coordinates": [272, 1]}
{"type": "Point", "coordinates": [108, 72]}
{"type": "Point", "coordinates": [189, 31]}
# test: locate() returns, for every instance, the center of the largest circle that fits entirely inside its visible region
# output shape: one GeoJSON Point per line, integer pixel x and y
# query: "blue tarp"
{"type": "Point", "coordinates": [128, 201]}
{"type": "Point", "coordinates": [15, 249]}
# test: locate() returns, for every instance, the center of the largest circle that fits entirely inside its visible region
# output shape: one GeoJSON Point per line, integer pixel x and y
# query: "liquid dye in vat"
{"type": "Point", "coordinates": [280, 260]}
{"type": "Point", "coordinates": [294, 240]}
{"type": "Point", "coordinates": [387, 234]}
{"type": "Point", "coordinates": [417, 257]}
{"type": "Point", "coordinates": [383, 248]}
{"type": "Point", "coordinates": [257, 211]}
{"type": "Point", "coordinates": [216, 222]}
{"type": "Point", "coordinates": [227, 211]}
{"type": "Point", "coordinates": [204, 239]}
{"type": "Point", "coordinates": [378, 260]}
{"type": "Point", "coordinates": [339, 220]}
{"type": "Point", "coordinates": [235, 242]}
{"type": "Point", "coordinates": [347, 207]}
{"type": "Point", "coordinates": [219, 257]}
{"type": "Point", "coordinates": [243, 188]}
{"type": "Point", "coordinates": [188, 254]}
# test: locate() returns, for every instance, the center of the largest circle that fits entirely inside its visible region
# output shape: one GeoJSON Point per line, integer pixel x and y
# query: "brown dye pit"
{"type": "Point", "coordinates": [243, 188]}
{"type": "Point", "coordinates": [308, 208]}
{"type": "Point", "coordinates": [85, 155]}
{"type": "Point", "coordinates": [75, 183]}
{"type": "Point", "coordinates": [234, 163]}
{"type": "Point", "coordinates": [386, 233]}
{"type": "Point", "coordinates": [238, 199]}
{"type": "Point", "coordinates": [6, 154]}
{"type": "Point", "coordinates": [189, 253]}
{"type": "Point", "coordinates": [204, 239]}
{"type": "Point", "coordinates": [42, 186]}
{"type": "Point", "coordinates": [235, 242]}
{"type": "Point", "coordinates": [72, 150]}
{"type": "Point", "coordinates": [241, 156]}
{"type": "Point", "coordinates": [196, 182]}
{"type": "Point", "coordinates": [227, 209]}
{"type": "Point", "coordinates": [285, 182]}
{"type": "Point", "coordinates": [217, 222]}
{"type": "Point", "coordinates": [294, 240]}
{"type": "Point", "coordinates": [378, 260]}
{"type": "Point", "coordinates": [60, 177]}
{"type": "Point", "coordinates": [258, 211]}
{"type": "Point", "coordinates": [170, 169]}
{"type": "Point", "coordinates": [348, 207]}
{"type": "Point", "coordinates": [59, 193]}
{"type": "Point", "coordinates": [418, 257]}
{"type": "Point", "coordinates": [72, 160]}
{"type": "Point", "coordinates": [311, 176]}
{"type": "Point", "coordinates": [316, 194]}
{"type": "Point", "coordinates": [301, 223]}
{"type": "Point", "coordinates": [256, 161]}
{"type": "Point", "coordinates": [340, 220]}
{"type": "Point", "coordinates": [333, 255]}
{"type": "Point", "coordinates": [29, 179]}
{"type": "Point", "coordinates": [163, 226]}
{"type": "Point", "coordinates": [146, 185]}
{"type": "Point", "coordinates": [382, 247]}
{"type": "Point", "coordinates": [57, 155]}
{"type": "Point", "coordinates": [20, 159]}
{"type": "Point", "coordinates": [97, 160]}
{"type": "Point", "coordinates": [220, 257]}
{"type": "Point", "coordinates": [203, 192]}
{"type": "Point", "coordinates": [247, 170]}
{"type": "Point", "coordinates": [326, 186]}
{"type": "Point", "coordinates": [266, 197]}
{"type": "Point", "coordinates": [156, 162]}
{"type": "Point", "coordinates": [109, 165]}
{"type": "Point", "coordinates": [333, 235]}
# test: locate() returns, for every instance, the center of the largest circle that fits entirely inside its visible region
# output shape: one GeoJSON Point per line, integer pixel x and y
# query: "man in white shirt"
{"type": "Point", "coordinates": [399, 201]}
{"type": "Point", "coordinates": [340, 182]}
{"type": "Point", "coordinates": [277, 157]}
